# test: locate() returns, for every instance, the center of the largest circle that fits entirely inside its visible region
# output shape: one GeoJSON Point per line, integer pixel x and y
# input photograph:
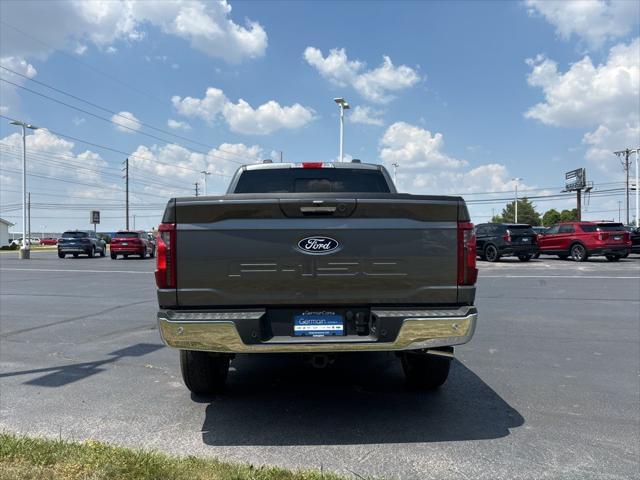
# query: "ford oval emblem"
{"type": "Point", "coordinates": [318, 245]}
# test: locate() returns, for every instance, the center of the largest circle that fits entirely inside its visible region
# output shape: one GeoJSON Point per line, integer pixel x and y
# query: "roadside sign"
{"type": "Point", "coordinates": [575, 179]}
{"type": "Point", "coordinates": [95, 216]}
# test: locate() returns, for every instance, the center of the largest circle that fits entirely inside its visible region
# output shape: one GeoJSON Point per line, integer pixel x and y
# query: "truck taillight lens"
{"type": "Point", "coordinates": [467, 271]}
{"type": "Point", "coordinates": [166, 256]}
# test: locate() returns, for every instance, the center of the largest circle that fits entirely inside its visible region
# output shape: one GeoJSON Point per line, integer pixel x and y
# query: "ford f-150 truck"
{"type": "Point", "coordinates": [315, 258]}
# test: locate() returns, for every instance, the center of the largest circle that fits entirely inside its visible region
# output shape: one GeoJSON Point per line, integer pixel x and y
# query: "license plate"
{"type": "Point", "coordinates": [318, 325]}
{"type": "Point", "coordinates": [125, 243]}
{"type": "Point", "coordinates": [617, 237]}
{"type": "Point", "coordinates": [526, 239]}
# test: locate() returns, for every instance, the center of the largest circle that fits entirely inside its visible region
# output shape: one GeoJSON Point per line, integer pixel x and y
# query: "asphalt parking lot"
{"type": "Point", "coordinates": [548, 388]}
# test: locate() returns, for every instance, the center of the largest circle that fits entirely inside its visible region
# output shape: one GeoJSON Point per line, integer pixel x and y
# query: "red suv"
{"type": "Point", "coordinates": [127, 243]}
{"type": "Point", "coordinates": [580, 240]}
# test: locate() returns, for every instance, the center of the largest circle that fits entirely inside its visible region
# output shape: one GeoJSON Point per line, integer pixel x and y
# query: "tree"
{"type": "Point", "coordinates": [526, 213]}
{"type": "Point", "coordinates": [551, 217]}
{"type": "Point", "coordinates": [569, 215]}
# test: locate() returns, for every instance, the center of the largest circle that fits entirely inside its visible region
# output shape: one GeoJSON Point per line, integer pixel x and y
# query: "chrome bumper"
{"type": "Point", "coordinates": [216, 332]}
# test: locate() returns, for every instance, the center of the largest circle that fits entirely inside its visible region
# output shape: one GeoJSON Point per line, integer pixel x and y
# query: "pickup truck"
{"type": "Point", "coordinates": [315, 258]}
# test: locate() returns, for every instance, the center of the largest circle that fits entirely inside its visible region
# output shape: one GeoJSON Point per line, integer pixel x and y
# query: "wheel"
{"type": "Point", "coordinates": [524, 258]}
{"type": "Point", "coordinates": [491, 253]}
{"type": "Point", "coordinates": [579, 253]}
{"type": "Point", "coordinates": [125, 256]}
{"type": "Point", "coordinates": [613, 258]}
{"type": "Point", "coordinates": [563, 256]}
{"type": "Point", "coordinates": [75, 255]}
{"type": "Point", "coordinates": [61, 255]}
{"type": "Point", "coordinates": [426, 371]}
{"type": "Point", "coordinates": [143, 255]}
{"type": "Point", "coordinates": [114, 255]}
{"type": "Point", "coordinates": [103, 252]}
{"type": "Point", "coordinates": [153, 253]}
{"type": "Point", "coordinates": [536, 255]}
{"type": "Point", "coordinates": [204, 372]}
{"type": "Point", "coordinates": [92, 252]}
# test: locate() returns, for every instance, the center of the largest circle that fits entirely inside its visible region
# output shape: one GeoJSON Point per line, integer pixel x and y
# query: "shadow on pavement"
{"type": "Point", "coordinates": [65, 374]}
{"type": "Point", "coordinates": [361, 399]}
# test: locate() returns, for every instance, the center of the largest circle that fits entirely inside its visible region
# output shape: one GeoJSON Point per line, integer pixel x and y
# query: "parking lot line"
{"type": "Point", "coordinates": [560, 276]}
{"type": "Point", "coordinates": [69, 270]}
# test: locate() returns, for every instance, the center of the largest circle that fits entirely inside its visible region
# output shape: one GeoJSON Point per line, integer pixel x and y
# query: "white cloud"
{"type": "Point", "coordinates": [374, 84]}
{"type": "Point", "coordinates": [178, 125]}
{"type": "Point", "coordinates": [415, 148]}
{"type": "Point", "coordinates": [242, 117]}
{"type": "Point", "coordinates": [366, 116]}
{"type": "Point", "coordinates": [207, 26]}
{"type": "Point", "coordinates": [603, 97]}
{"type": "Point", "coordinates": [126, 122]}
{"type": "Point", "coordinates": [77, 121]}
{"type": "Point", "coordinates": [19, 65]}
{"type": "Point", "coordinates": [80, 49]}
{"type": "Point", "coordinates": [594, 21]}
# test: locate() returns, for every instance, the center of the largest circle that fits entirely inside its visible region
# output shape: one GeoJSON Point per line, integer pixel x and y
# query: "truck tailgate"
{"type": "Point", "coordinates": [238, 250]}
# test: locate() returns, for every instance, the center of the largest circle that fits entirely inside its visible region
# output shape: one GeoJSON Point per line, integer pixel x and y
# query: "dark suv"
{"type": "Point", "coordinates": [497, 240]}
{"type": "Point", "coordinates": [80, 241]}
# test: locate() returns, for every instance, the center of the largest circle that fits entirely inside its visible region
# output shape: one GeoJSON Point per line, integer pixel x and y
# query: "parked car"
{"type": "Point", "coordinates": [634, 233]}
{"type": "Point", "coordinates": [18, 241]}
{"type": "Point", "coordinates": [581, 240]}
{"type": "Point", "coordinates": [496, 240]}
{"type": "Point", "coordinates": [78, 242]}
{"type": "Point", "coordinates": [48, 241]}
{"type": "Point", "coordinates": [127, 242]}
{"type": "Point", "coordinates": [328, 258]}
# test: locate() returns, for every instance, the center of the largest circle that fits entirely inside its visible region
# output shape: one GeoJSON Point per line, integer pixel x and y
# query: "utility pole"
{"type": "Point", "coordinates": [623, 155]}
{"type": "Point", "coordinates": [280, 156]}
{"type": "Point", "coordinates": [395, 174]}
{"type": "Point", "coordinates": [196, 184]}
{"type": "Point", "coordinates": [126, 199]}
{"type": "Point", "coordinates": [619, 205]}
{"type": "Point", "coordinates": [517, 179]}
{"type": "Point", "coordinates": [28, 219]}
{"type": "Point", "coordinates": [25, 251]}
{"type": "Point", "coordinates": [134, 221]}
{"type": "Point", "coordinates": [637, 188]}
{"type": "Point", "coordinates": [205, 174]}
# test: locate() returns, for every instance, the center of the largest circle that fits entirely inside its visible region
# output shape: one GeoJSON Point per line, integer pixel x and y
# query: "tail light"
{"type": "Point", "coordinates": [467, 271]}
{"type": "Point", "coordinates": [166, 256]}
{"type": "Point", "coordinates": [507, 236]}
{"type": "Point", "coordinates": [313, 165]}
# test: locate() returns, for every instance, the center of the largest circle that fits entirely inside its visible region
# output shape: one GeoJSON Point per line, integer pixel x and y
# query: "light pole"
{"type": "Point", "coordinates": [205, 174]}
{"type": "Point", "coordinates": [637, 188]}
{"type": "Point", "coordinates": [343, 106]}
{"type": "Point", "coordinates": [395, 174]}
{"type": "Point", "coordinates": [25, 251]}
{"type": "Point", "coordinates": [517, 179]}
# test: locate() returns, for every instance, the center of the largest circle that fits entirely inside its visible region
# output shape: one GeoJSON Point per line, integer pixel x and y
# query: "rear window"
{"type": "Point", "coordinates": [127, 235]}
{"type": "Point", "coordinates": [603, 227]}
{"type": "Point", "coordinates": [75, 235]}
{"type": "Point", "coordinates": [311, 180]}
{"type": "Point", "coordinates": [520, 229]}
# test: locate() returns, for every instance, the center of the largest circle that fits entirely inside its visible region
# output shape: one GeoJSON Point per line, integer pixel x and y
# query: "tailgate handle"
{"type": "Point", "coordinates": [319, 210]}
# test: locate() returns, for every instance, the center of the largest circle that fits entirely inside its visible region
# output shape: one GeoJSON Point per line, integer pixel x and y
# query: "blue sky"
{"type": "Point", "coordinates": [463, 96]}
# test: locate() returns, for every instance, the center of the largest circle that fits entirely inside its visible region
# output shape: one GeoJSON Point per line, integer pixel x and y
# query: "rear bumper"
{"type": "Point", "coordinates": [218, 331]}
{"type": "Point", "coordinates": [74, 249]}
{"type": "Point", "coordinates": [610, 250]}
{"type": "Point", "coordinates": [519, 249]}
{"type": "Point", "coordinates": [127, 250]}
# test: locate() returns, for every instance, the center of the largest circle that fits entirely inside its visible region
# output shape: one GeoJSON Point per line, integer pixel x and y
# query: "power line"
{"type": "Point", "coordinates": [75, 97]}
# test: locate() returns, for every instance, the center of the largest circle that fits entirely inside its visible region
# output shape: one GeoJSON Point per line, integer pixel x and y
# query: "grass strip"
{"type": "Point", "coordinates": [28, 458]}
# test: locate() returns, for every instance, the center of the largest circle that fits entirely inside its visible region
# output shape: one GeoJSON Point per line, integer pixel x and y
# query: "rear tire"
{"type": "Point", "coordinates": [579, 252]}
{"type": "Point", "coordinates": [524, 258]}
{"type": "Point", "coordinates": [114, 256]}
{"type": "Point", "coordinates": [153, 253]}
{"type": "Point", "coordinates": [203, 372]}
{"type": "Point", "coordinates": [125, 256]}
{"type": "Point", "coordinates": [536, 255]}
{"type": "Point", "coordinates": [613, 258]}
{"type": "Point", "coordinates": [143, 255]}
{"type": "Point", "coordinates": [61, 255]}
{"type": "Point", "coordinates": [425, 371]}
{"type": "Point", "coordinates": [75, 255]}
{"type": "Point", "coordinates": [92, 252]}
{"type": "Point", "coordinates": [491, 253]}
{"type": "Point", "coordinates": [103, 252]}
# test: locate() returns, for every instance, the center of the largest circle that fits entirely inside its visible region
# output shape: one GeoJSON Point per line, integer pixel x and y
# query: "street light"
{"type": "Point", "coordinates": [343, 106]}
{"type": "Point", "coordinates": [517, 179]}
{"type": "Point", "coordinates": [206, 174]}
{"type": "Point", "coordinates": [24, 251]}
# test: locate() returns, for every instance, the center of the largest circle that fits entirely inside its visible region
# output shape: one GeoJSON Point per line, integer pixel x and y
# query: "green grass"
{"type": "Point", "coordinates": [28, 458]}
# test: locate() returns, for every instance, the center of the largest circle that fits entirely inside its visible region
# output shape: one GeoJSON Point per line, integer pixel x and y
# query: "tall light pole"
{"type": "Point", "coordinates": [517, 179]}
{"type": "Point", "coordinates": [205, 174]}
{"type": "Point", "coordinates": [395, 174]}
{"type": "Point", "coordinates": [637, 188]}
{"type": "Point", "coordinates": [343, 106]}
{"type": "Point", "coordinates": [25, 251]}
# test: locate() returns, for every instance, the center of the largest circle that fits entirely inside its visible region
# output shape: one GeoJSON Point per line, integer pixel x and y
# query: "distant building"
{"type": "Point", "coordinates": [4, 231]}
